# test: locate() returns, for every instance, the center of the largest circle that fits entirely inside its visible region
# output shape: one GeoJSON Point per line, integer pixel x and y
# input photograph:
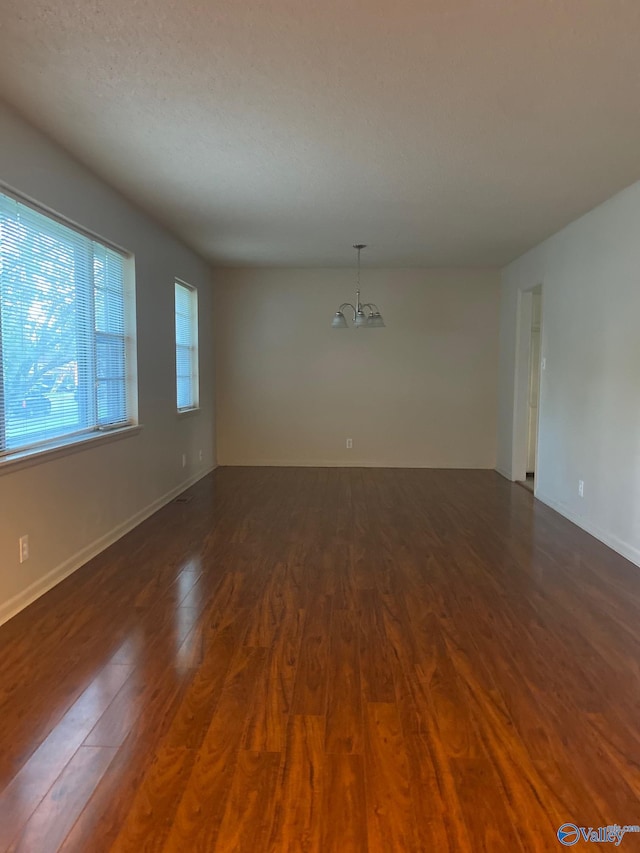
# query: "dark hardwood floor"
{"type": "Point", "coordinates": [327, 660]}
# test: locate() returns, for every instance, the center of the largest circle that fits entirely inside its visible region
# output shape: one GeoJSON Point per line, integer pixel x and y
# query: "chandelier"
{"type": "Point", "coordinates": [365, 314]}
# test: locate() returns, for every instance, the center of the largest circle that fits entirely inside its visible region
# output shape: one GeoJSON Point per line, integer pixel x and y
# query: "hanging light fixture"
{"type": "Point", "coordinates": [365, 315]}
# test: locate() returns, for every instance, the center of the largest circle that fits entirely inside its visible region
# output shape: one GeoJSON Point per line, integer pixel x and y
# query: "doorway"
{"type": "Point", "coordinates": [528, 397]}
{"type": "Point", "coordinates": [534, 387]}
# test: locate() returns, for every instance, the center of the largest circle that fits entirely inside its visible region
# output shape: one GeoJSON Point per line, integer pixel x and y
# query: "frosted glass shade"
{"type": "Point", "coordinates": [375, 321]}
{"type": "Point", "coordinates": [339, 321]}
{"type": "Point", "coordinates": [361, 320]}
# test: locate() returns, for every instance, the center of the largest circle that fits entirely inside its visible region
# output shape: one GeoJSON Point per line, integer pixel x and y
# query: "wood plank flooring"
{"type": "Point", "coordinates": [327, 660]}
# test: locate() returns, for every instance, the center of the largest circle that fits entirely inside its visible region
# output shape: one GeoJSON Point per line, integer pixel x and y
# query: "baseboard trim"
{"type": "Point", "coordinates": [504, 474]}
{"type": "Point", "coordinates": [341, 463]}
{"type": "Point", "coordinates": [38, 588]}
{"type": "Point", "coordinates": [625, 549]}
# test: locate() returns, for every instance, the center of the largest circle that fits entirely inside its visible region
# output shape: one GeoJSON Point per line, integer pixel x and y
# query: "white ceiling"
{"type": "Point", "coordinates": [440, 132]}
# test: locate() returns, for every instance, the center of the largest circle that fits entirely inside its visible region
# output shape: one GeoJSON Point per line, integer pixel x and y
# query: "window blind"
{"type": "Point", "coordinates": [186, 347]}
{"type": "Point", "coordinates": [62, 330]}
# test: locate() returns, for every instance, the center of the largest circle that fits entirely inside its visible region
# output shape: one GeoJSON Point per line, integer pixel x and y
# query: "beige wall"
{"type": "Point", "coordinates": [589, 406]}
{"type": "Point", "coordinates": [73, 506]}
{"type": "Point", "coordinates": [291, 390]}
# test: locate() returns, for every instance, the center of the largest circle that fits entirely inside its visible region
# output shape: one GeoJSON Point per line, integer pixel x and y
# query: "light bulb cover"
{"type": "Point", "coordinates": [361, 320]}
{"type": "Point", "coordinates": [375, 321]}
{"type": "Point", "coordinates": [339, 321]}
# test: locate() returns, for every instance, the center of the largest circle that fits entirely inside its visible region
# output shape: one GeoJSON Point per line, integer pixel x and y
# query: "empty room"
{"type": "Point", "coordinates": [319, 426]}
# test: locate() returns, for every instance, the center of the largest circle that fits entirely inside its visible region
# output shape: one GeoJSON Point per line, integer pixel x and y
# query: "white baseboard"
{"type": "Point", "coordinates": [630, 552]}
{"type": "Point", "coordinates": [14, 605]}
{"type": "Point", "coordinates": [504, 474]}
{"type": "Point", "coordinates": [341, 463]}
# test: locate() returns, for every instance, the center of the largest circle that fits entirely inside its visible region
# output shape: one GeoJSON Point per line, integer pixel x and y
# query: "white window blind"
{"type": "Point", "coordinates": [186, 347]}
{"type": "Point", "coordinates": [63, 346]}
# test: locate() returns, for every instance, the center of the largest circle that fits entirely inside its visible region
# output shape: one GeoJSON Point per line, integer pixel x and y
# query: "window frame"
{"type": "Point", "coordinates": [194, 348]}
{"type": "Point", "coordinates": [75, 439]}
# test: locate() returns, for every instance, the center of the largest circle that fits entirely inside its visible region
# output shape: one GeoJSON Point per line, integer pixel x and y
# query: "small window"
{"type": "Point", "coordinates": [186, 347]}
{"type": "Point", "coordinates": [64, 348]}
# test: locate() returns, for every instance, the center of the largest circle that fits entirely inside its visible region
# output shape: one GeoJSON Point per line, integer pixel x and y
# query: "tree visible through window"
{"type": "Point", "coordinates": [63, 344]}
{"type": "Point", "coordinates": [186, 347]}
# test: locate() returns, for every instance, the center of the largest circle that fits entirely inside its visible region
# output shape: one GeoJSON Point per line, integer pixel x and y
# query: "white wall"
{"type": "Point", "coordinates": [590, 390]}
{"type": "Point", "coordinates": [74, 505]}
{"type": "Point", "coordinates": [420, 393]}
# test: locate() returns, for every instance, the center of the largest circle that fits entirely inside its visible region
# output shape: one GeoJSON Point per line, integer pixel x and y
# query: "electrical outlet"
{"type": "Point", "coordinates": [200, 456]}
{"type": "Point", "coordinates": [349, 443]}
{"type": "Point", "coordinates": [23, 543]}
{"type": "Point", "coordinates": [543, 364]}
{"type": "Point", "coordinates": [184, 460]}
{"type": "Point", "coordinates": [581, 488]}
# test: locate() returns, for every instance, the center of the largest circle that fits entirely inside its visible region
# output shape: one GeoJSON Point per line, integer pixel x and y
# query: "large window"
{"type": "Point", "coordinates": [63, 331]}
{"type": "Point", "coordinates": [186, 347]}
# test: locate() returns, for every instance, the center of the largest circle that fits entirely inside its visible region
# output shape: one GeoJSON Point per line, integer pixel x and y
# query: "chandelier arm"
{"type": "Point", "coordinates": [347, 305]}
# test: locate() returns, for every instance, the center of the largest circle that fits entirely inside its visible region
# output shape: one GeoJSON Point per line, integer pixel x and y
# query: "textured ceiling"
{"type": "Point", "coordinates": [441, 132]}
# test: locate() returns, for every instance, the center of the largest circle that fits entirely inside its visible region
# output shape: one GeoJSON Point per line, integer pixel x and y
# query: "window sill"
{"type": "Point", "coordinates": [184, 413]}
{"type": "Point", "coordinates": [25, 458]}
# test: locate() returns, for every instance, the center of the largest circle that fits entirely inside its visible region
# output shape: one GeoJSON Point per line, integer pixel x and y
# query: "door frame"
{"type": "Point", "coordinates": [522, 379]}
